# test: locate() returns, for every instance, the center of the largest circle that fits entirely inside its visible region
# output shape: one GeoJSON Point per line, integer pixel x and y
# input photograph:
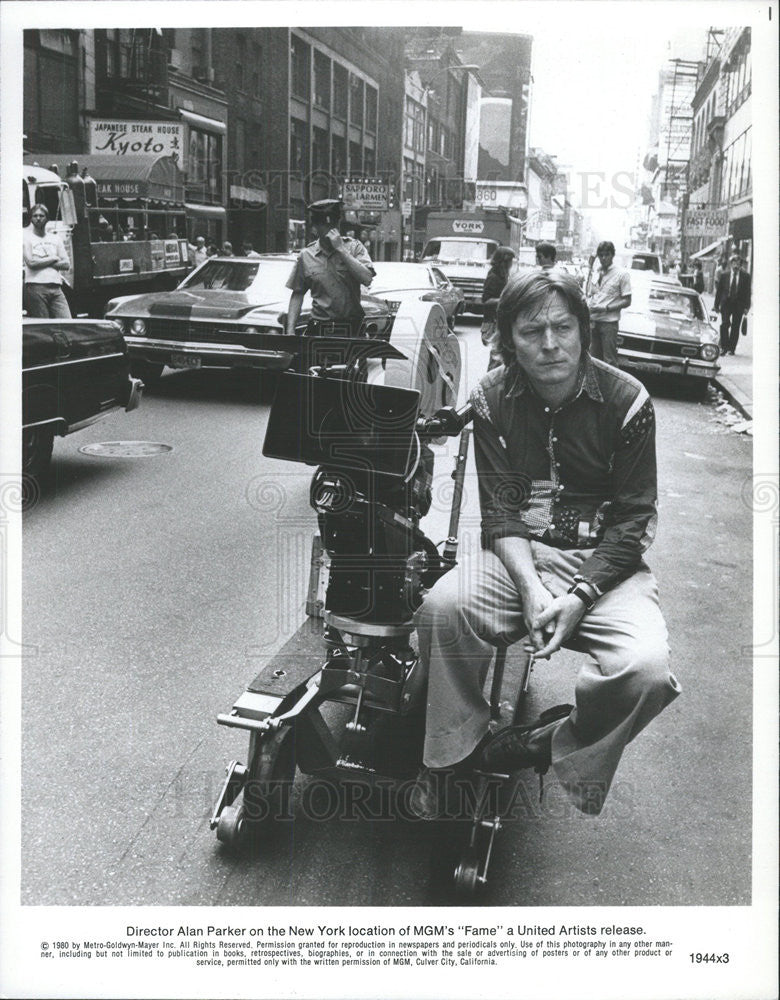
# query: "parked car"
{"type": "Point", "coordinates": [666, 330]}
{"type": "Point", "coordinates": [228, 313]}
{"type": "Point", "coordinates": [74, 372]}
{"type": "Point", "coordinates": [398, 281]}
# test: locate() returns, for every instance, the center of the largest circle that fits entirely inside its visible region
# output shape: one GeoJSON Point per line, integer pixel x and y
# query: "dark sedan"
{"type": "Point", "coordinates": [73, 373]}
{"type": "Point", "coordinates": [229, 313]}
{"type": "Point", "coordinates": [666, 330]}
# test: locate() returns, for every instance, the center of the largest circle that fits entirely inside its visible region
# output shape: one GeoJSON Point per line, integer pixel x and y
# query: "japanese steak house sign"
{"type": "Point", "coordinates": [152, 178]}
{"type": "Point", "coordinates": [133, 138]}
{"type": "Point", "coordinates": [368, 195]}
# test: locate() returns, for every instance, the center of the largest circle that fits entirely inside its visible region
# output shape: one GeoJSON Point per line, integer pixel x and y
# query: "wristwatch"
{"type": "Point", "coordinates": [583, 591]}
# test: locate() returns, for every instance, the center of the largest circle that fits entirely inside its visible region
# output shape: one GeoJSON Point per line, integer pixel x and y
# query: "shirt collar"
{"type": "Point", "coordinates": [587, 380]}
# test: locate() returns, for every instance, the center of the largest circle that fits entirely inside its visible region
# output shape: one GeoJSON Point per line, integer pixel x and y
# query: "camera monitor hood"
{"type": "Point", "coordinates": [342, 423]}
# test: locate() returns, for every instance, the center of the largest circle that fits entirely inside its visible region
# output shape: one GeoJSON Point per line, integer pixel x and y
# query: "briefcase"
{"type": "Point", "coordinates": [744, 326]}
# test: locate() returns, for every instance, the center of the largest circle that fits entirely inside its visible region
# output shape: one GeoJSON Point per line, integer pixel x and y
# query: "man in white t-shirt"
{"type": "Point", "coordinates": [45, 257]}
{"type": "Point", "coordinates": [610, 294]}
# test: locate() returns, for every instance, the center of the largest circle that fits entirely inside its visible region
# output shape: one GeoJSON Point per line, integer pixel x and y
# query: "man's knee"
{"type": "Point", "coordinates": [649, 664]}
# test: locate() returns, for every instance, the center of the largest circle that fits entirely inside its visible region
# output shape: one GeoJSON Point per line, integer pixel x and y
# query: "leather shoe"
{"type": "Point", "coordinates": [426, 800]}
{"type": "Point", "coordinates": [518, 747]}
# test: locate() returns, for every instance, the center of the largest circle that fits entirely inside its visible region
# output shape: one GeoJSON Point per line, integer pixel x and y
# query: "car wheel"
{"type": "Point", "coordinates": [37, 445]}
{"type": "Point", "coordinates": [148, 372]}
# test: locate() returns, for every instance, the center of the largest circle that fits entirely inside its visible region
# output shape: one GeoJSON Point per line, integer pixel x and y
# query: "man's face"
{"type": "Point", "coordinates": [547, 343]}
{"type": "Point", "coordinates": [38, 219]}
{"type": "Point", "coordinates": [321, 225]}
{"type": "Point", "coordinates": [605, 259]}
{"type": "Point", "coordinates": [735, 263]}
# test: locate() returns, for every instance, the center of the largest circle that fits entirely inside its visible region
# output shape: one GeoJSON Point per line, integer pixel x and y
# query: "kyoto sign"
{"type": "Point", "coordinates": [369, 196]}
{"type": "Point", "coordinates": [137, 138]}
{"type": "Point", "coordinates": [706, 222]}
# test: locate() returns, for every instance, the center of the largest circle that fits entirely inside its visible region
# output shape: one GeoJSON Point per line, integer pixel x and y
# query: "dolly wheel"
{"type": "Point", "coordinates": [232, 824]}
{"type": "Point", "coordinates": [466, 875]}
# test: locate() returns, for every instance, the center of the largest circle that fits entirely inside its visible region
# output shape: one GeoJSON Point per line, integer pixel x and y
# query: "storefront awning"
{"type": "Point", "coordinates": [708, 251]}
{"type": "Point", "coordinates": [201, 121]}
{"type": "Point", "coordinates": [205, 211]}
{"type": "Point", "coordinates": [155, 178]}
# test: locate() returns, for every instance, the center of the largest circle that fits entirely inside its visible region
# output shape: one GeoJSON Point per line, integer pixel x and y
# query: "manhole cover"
{"type": "Point", "coordinates": [126, 449]}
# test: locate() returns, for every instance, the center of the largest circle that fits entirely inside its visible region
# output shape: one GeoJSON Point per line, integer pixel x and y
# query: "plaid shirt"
{"type": "Point", "coordinates": [579, 476]}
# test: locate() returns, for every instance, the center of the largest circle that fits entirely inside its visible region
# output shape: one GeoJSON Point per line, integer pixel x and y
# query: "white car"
{"type": "Point", "coordinates": [398, 281]}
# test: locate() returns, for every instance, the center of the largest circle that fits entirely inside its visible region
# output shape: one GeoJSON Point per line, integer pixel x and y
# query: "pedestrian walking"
{"type": "Point", "coordinates": [45, 258]}
{"type": "Point", "coordinates": [610, 294]}
{"type": "Point", "coordinates": [732, 301]}
{"type": "Point", "coordinates": [197, 251]}
{"type": "Point", "coordinates": [566, 469]}
{"type": "Point", "coordinates": [698, 277]}
{"type": "Point", "coordinates": [248, 249]}
{"type": "Point", "coordinates": [333, 268]}
{"type": "Point", "coordinates": [494, 284]}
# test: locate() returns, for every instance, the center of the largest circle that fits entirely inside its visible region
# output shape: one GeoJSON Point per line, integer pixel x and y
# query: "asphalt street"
{"type": "Point", "coordinates": [156, 588]}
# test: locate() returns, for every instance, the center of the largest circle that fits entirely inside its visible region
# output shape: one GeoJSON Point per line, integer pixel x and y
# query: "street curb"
{"type": "Point", "coordinates": [735, 396]}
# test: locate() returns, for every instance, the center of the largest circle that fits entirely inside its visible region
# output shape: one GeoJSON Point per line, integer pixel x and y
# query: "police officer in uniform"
{"type": "Point", "coordinates": [333, 268]}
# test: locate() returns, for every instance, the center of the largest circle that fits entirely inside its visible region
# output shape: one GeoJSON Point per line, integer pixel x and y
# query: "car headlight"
{"type": "Point", "coordinates": [708, 352]}
{"type": "Point", "coordinates": [138, 327]}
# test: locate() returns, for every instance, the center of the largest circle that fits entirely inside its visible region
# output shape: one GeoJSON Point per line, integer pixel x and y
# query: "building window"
{"type": "Point", "coordinates": [356, 100]}
{"type": "Point", "coordinates": [299, 71]}
{"type": "Point", "coordinates": [339, 155]}
{"type": "Point", "coordinates": [204, 166]}
{"type": "Point", "coordinates": [321, 80]}
{"type": "Point", "coordinates": [319, 150]}
{"type": "Point", "coordinates": [240, 61]}
{"type": "Point", "coordinates": [355, 159]}
{"type": "Point", "coordinates": [257, 59]}
{"type": "Point", "coordinates": [299, 158]}
{"type": "Point", "coordinates": [371, 108]}
{"type": "Point", "coordinates": [340, 91]}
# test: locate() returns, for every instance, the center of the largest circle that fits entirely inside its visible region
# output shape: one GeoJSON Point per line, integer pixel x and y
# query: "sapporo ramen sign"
{"type": "Point", "coordinates": [367, 196]}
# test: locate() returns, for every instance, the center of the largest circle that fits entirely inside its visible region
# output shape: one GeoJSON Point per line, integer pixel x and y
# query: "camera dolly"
{"type": "Point", "coordinates": [372, 487]}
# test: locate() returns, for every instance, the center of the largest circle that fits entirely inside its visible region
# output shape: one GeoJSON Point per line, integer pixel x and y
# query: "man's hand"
{"type": "Point", "coordinates": [561, 617]}
{"type": "Point", "coordinates": [536, 599]}
{"type": "Point", "coordinates": [333, 236]}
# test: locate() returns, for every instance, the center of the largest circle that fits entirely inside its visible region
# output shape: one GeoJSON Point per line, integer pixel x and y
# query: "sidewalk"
{"type": "Point", "coordinates": [735, 379]}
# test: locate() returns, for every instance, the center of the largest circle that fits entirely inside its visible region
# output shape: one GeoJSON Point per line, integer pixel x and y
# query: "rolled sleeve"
{"type": "Point", "coordinates": [362, 255]}
{"type": "Point", "coordinates": [297, 281]}
{"type": "Point", "coordinates": [625, 284]}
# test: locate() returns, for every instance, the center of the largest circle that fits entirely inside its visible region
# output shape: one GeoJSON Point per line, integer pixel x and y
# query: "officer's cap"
{"type": "Point", "coordinates": [326, 209]}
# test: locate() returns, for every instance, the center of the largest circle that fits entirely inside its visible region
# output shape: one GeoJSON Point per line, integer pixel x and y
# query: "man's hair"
{"type": "Point", "coordinates": [247, 243]}
{"type": "Point", "coordinates": [502, 255]}
{"type": "Point", "coordinates": [735, 256]}
{"type": "Point", "coordinates": [605, 246]}
{"type": "Point", "coordinates": [529, 291]}
{"type": "Point", "coordinates": [38, 207]}
{"type": "Point", "coordinates": [547, 251]}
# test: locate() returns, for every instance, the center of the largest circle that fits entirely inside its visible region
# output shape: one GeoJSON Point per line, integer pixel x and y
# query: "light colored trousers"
{"type": "Point", "coordinates": [627, 682]}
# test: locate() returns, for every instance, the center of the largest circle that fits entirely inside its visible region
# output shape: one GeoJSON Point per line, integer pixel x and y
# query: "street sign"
{"type": "Point", "coordinates": [364, 195]}
{"type": "Point", "coordinates": [549, 229]}
{"type": "Point", "coordinates": [712, 222]}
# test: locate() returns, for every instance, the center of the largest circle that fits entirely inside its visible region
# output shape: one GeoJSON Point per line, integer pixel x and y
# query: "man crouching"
{"type": "Point", "coordinates": [565, 454]}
